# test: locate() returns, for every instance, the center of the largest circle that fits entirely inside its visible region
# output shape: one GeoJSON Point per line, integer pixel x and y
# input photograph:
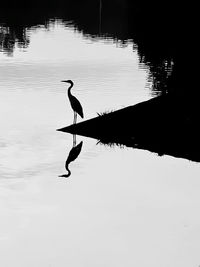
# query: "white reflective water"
{"type": "Point", "coordinates": [120, 206]}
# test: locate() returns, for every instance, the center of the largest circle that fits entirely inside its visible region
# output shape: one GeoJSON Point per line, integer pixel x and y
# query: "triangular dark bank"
{"type": "Point", "coordinates": [164, 125]}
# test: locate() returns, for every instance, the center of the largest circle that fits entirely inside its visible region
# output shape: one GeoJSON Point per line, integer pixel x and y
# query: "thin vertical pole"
{"type": "Point", "coordinates": [100, 11]}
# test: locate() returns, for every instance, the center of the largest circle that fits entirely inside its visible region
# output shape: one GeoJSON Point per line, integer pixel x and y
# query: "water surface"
{"type": "Point", "coordinates": [120, 206]}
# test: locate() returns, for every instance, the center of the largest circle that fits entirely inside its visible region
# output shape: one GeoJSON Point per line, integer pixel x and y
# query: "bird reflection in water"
{"type": "Point", "coordinates": [73, 154]}
{"type": "Point", "coordinates": [75, 104]}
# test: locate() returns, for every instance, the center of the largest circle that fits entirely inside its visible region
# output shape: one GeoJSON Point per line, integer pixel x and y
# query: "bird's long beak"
{"type": "Point", "coordinates": [64, 175]}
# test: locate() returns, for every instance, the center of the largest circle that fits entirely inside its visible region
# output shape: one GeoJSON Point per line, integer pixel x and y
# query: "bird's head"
{"type": "Point", "coordinates": [67, 81]}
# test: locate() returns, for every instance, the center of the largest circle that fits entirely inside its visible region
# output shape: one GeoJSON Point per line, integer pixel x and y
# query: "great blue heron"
{"type": "Point", "coordinates": [75, 104]}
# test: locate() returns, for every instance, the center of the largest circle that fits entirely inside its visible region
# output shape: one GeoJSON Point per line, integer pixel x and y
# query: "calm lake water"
{"type": "Point", "coordinates": [121, 206]}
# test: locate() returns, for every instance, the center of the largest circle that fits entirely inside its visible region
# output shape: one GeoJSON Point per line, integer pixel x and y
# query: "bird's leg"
{"type": "Point", "coordinates": [74, 118]}
{"type": "Point", "coordinates": [74, 140]}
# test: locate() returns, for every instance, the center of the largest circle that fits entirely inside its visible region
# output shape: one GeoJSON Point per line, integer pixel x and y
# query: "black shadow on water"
{"type": "Point", "coordinates": [153, 125]}
{"type": "Point", "coordinates": [73, 154]}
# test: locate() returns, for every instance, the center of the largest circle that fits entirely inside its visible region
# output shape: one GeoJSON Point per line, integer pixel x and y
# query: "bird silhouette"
{"type": "Point", "coordinates": [73, 154]}
{"type": "Point", "coordinates": [75, 104]}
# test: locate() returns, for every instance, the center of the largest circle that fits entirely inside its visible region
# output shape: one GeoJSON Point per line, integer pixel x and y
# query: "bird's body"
{"type": "Point", "coordinates": [75, 104]}
{"type": "Point", "coordinates": [73, 154]}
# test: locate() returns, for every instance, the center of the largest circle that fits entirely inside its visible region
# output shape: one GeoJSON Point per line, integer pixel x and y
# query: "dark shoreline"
{"type": "Point", "coordinates": [155, 125]}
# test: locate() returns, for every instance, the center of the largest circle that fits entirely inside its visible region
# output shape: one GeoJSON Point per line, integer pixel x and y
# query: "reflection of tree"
{"type": "Point", "coordinates": [10, 36]}
{"type": "Point", "coordinates": [156, 29]}
{"type": "Point", "coordinates": [15, 22]}
{"type": "Point", "coordinates": [159, 75]}
{"type": "Point", "coordinates": [7, 42]}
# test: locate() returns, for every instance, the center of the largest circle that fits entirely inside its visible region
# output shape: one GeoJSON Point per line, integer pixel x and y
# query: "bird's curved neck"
{"type": "Point", "coordinates": [69, 89]}
{"type": "Point", "coordinates": [68, 170]}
